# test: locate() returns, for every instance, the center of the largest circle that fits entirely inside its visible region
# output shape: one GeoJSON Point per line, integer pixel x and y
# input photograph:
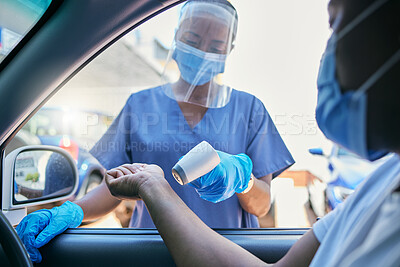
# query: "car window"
{"type": "Point", "coordinates": [275, 58]}
{"type": "Point", "coordinates": [17, 17]}
{"type": "Point", "coordinates": [75, 123]}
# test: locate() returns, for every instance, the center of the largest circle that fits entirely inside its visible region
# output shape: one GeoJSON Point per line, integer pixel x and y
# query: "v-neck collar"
{"type": "Point", "coordinates": [182, 116]}
{"type": "Point", "coordinates": [180, 113]}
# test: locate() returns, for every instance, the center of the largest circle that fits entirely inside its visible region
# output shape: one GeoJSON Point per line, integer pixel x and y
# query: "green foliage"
{"type": "Point", "coordinates": [34, 177]}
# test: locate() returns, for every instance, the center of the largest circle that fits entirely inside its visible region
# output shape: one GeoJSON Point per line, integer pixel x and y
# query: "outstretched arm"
{"type": "Point", "coordinates": [98, 202]}
{"type": "Point", "coordinates": [188, 239]}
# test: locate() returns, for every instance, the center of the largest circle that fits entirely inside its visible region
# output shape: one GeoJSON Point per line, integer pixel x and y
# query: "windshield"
{"type": "Point", "coordinates": [17, 17]}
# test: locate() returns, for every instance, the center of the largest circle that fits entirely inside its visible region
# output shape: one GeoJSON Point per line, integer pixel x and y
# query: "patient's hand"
{"type": "Point", "coordinates": [126, 181]}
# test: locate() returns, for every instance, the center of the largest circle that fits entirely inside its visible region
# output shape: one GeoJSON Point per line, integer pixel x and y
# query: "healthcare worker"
{"type": "Point", "coordinates": [358, 95]}
{"type": "Point", "coordinates": [161, 124]}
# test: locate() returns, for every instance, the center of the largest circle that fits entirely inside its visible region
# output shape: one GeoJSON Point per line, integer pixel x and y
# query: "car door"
{"type": "Point", "coordinates": [68, 37]}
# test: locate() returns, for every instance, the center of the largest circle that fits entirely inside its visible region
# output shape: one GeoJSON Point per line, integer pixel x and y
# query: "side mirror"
{"type": "Point", "coordinates": [34, 175]}
{"type": "Point", "coordinates": [316, 151]}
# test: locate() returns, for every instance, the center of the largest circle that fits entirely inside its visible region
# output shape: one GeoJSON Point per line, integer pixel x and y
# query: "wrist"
{"type": "Point", "coordinates": [249, 185]}
{"type": "Point", "coordinates": [151, 187]}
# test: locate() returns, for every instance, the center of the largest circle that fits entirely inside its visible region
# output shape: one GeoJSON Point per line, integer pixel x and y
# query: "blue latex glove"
{"type": "Point", "coordinates": [39, 227]}
{"type": "Point", "coordinates": [232, 175]}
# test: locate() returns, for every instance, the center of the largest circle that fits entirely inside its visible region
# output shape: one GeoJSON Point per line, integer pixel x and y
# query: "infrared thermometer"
{"type": "Point", "coordinates": [197, 162]}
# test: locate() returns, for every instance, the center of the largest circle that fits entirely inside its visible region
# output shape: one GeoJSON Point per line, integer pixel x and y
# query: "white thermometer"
{"type": "Point", "coordinates": [196, 163]}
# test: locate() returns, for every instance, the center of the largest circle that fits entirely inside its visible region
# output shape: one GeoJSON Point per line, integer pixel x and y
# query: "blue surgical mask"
{"type": "Point", "coordinates": [343, 117]}
{"type": "Point", "coordinates": [197, 67]}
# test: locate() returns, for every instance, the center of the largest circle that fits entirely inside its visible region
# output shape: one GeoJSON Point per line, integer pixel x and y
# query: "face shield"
{"type": "Point", "coordinates": [196, 63]}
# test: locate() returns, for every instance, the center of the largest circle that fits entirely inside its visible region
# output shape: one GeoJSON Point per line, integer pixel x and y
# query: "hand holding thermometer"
{"type": "Point", "coordinates": [197, 162]}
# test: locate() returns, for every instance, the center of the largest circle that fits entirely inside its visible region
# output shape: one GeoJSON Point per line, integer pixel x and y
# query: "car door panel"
{"type": "Point", "coordinates": [141, 247]}
{"type": "Point", "coordinates": [144, 247]}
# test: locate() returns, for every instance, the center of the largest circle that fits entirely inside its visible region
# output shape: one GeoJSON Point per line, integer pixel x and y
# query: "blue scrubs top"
{"type": "Point", "coordinates": [152, 129]}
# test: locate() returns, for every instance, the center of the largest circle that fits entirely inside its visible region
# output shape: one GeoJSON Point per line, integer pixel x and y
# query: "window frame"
{"type": "Point", "coordinates": [52, 8]}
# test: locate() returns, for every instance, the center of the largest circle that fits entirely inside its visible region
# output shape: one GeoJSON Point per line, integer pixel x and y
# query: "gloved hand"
{"type": "Point", "coordinates": [39, 227]}
{"type": "Point", "coordinates": [232, 175]}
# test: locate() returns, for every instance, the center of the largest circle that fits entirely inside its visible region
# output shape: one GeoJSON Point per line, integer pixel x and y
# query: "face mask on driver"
{"type": "Point", "coordinates": [342, 117]}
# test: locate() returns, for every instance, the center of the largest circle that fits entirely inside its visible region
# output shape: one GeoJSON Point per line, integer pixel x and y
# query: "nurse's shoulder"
{"type": "Point", "coordinates": [248, 101]}
{"type": "Point", "coordinates": [146, 97]}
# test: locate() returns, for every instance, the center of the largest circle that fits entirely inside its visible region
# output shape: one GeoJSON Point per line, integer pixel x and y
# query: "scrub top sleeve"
{"type": "Point", "coordinates": [113, 148]}
{"type": "Point", "coordinates": [265, 145]}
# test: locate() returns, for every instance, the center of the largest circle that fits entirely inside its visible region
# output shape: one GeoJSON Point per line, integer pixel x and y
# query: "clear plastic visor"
{"type": "Point", "coordinates": [197, 60]}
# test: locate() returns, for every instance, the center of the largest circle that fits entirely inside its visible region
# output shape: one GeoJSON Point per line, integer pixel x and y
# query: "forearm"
{"type": "Point", "coordinates": [188, 239]}
{"type": "Point", "coordinates": [98, 202]}
{"type": "Point", "coordinates": [258, 200]}
{"type": "Point", "coordinates": [302, 252]}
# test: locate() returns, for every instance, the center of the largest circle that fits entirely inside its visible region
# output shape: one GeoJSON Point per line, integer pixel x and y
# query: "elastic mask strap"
{"type": "Point", "coordinates": [365, 14]}
{"type": "Point", "coordinates": [379, 73]}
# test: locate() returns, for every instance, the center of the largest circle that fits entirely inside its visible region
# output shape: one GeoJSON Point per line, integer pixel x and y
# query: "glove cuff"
{"type": "Point", "coordinates": [246, 169]}
{"type": "Point", "coordinates": [249, 185]}
{"type": "Point", "coordinates": [77, 216]}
